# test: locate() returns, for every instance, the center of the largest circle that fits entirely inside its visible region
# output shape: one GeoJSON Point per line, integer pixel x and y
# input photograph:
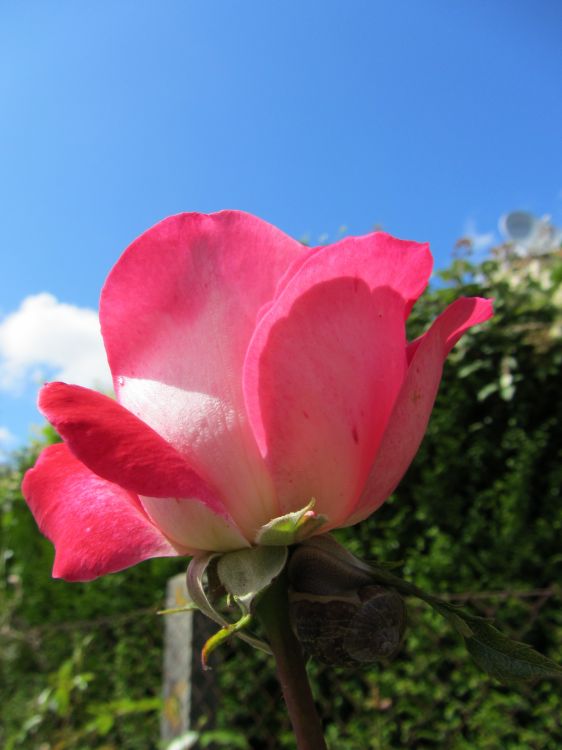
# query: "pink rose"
{"type": "Point", "coordinates": [252, 374]}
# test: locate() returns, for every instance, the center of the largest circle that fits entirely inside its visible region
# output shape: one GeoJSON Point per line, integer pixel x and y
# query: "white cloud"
{"type": "Point", "coordinates": [6, 437]}
{"type": "Point", "coordinates": [48, 339]}
{"type": "Point", "coordinates": [479, 240]}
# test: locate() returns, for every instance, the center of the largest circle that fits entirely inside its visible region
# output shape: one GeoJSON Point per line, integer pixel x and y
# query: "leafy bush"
{"type": "Point", "coordinates": [479, 510]}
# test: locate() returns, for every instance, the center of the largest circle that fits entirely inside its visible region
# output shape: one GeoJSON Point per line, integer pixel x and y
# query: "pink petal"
{"type": "Point", "coordinates": [96, 526]}
{"type": "Point", "coordinates": [119, 447]}
{"type": "Point", "coordinates": [409, 419]}
{"type": "Point", "coordinates": [177, 313]}
{"type": "Point", "coordinates": [193, 525]}
{"type": "Point", "coordinates": [325, 366]}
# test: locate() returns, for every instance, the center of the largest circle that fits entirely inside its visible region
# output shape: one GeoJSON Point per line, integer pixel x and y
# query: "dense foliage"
{"type": "Point", "coordinates": [478, 511]}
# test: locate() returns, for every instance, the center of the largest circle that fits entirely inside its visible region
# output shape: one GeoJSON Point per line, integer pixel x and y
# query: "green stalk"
{"type": "Point", "coordinates": [273, 612]}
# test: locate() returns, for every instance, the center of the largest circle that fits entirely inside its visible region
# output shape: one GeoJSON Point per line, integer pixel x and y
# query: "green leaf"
{"type": "Point", "coordinates": [455, 616]}
{"type": "Point", "coordinates": [184, 741]}
{"type": "Point", "coordinates": [495, 653]}
{"type": "Point", "coordinates": [505, 659]}
{"type": "Point", "coordinates": [508, 660]}
{"type": "Point", "coordinates": [224, 737]}
{"type": "Point", "coordinates": [487, 391]}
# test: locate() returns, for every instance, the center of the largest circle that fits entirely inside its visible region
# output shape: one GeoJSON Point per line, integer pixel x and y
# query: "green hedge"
{"type": "Point", "coordinates": [479, 510]}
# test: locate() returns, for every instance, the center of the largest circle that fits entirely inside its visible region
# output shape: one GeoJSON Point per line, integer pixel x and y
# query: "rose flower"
{"type": "Point", "coordinates": [252, 375]}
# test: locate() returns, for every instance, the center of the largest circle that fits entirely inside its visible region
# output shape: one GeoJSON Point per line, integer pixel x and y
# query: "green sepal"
{"type": "Point", "coordinates": [221, 636]}
{"type": "Point", "coordinates": [177, 610]}
{"type": "Point", "coordinates": [290, 528]}
{"type": "Point", "coordinates": [246, 573]}
{"type": "Point", "coordinates": [195, 573]}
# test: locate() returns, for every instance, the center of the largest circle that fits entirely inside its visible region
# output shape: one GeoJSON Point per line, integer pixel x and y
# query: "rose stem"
{"type": "Point", "coordinates": [273, 612]}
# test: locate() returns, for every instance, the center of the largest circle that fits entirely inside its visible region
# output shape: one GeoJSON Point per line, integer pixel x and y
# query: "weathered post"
{"type": "Point", "coordinates": [178, 663]}
{"type": "Point", "coordinates": [189, 693]}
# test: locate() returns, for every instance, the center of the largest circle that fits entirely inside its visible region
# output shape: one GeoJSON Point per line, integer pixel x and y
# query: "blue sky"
{"type": "Point", "coordinates": [427, 117]}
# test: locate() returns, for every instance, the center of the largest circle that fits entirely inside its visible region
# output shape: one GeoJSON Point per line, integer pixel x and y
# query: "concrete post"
{"type": "Point", "coordinates": [178, 663]}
